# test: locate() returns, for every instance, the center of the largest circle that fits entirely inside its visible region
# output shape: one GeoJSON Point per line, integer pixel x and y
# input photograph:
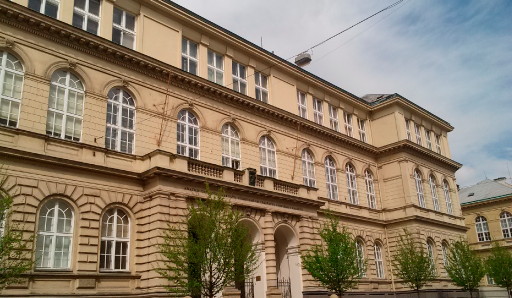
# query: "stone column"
{"type": "Point", "coordinates": [270, 257]}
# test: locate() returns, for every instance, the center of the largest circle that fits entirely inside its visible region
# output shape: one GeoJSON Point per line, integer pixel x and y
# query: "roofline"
{"type": "Point", "coordinates": [487, 199]}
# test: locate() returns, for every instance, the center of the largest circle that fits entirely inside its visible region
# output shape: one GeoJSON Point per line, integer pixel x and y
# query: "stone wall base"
{"type": "Point", "coordinates": [431, 293]}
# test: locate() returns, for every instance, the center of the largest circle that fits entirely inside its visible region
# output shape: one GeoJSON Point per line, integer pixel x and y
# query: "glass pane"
{"type": "Point", "coordinates": [210, 58]}
{"type": "Point", "coordinates": [94, 7]}
{"type": "Point", "coordinates": [130, 22]}
{"type": "Point", "coordinates": [118, 16]}
{"type": "Point", "coordinates": [184, 46]}
{"type": "Point", "coordinates": [51, 9]}
{"type": "Point", "coordinates": [242, 88]}
{"type": "Point", "coordinates": [218, 61]}
{"type": "Point", "coordinates": [242, 72]}
{"type": "Point", "coordinates": [80, 4]}
{"type": "Point", "coordinates": [78, 20]}
{"type": "Point", "coordinates": [192, 49]}
{"type": "Point", "coordinates": [192, 67]}
{"type": "Point", "coordinates": [92, 26]}
{"type": "Point", "coordinates": [234, 69]}
{"type": "Point", "coordinates": [128, 40]}
{"type": "Point", "coordinates": [34, 5]}
{"type": "Point", "coordinates": [211, 74]}
{"type": "Point", "coordinates": [116, 35]}
{"type": "Point", "coordinates": [219, 77]}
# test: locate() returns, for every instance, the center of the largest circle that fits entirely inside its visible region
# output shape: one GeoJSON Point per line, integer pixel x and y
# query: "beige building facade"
{"type": "Point", "coordinates": [487, 210]}
{"type": "Point", "coordinates": [114, 114]}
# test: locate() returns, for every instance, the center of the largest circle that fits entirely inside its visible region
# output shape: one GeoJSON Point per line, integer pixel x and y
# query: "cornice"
{"type": "Point", "coordinates": [57, 31]}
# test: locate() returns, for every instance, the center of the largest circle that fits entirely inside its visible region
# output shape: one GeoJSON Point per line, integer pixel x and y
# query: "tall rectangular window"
{"type": "Point", "coordinates": [408, 129]}
{"type": "Point", "coordinates": [47, 7]}
{"type": "Point", "coordinates": [318, 111]}
{"type": "Point", "coordinates": [215, 67]}
{"type": "Point", "coordinates": [123, 29]}
{"type": "Point", "coordinates": [438, 144]}
{"type": "Point", "coordinates": [86, 15]}
{"type": "Point", "coordinates": [417, 130]}
{"type": "Point", "coordinates": [189, 56]}
{"type": "Point", "coordinates": [239, 77]}
{"type": "Point", "coordinates": [348, 124]}
{"type": "Point", "coordinates": [302, 104]}
{"type": "Point", "coordinates": [261, 83]}
{"type": "Point", "coordinates": [333, 118]}
{"type": "Point", "coordinates": [429, 141]}
{"type": "Point", "coordinates": [362, 129]}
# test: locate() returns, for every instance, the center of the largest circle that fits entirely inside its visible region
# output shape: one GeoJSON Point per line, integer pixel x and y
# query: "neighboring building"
{"type": "Point", "coordinates": [487, 210]}
{"type": "Point", "coordinates": [120, 125]}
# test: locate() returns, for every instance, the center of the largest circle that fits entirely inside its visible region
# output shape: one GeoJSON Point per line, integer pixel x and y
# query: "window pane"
{"type": "Point", "coordinates": [34, 5]}
{"type": "Point", "coordinates": [218, 62]}
{"type": "Point", "coordinates": [116, 35]}
{"type": "Point", "coordinates": [210, 58]}
{"type": "Point", "coordinates": [193, 49]}
{"type": "Point", "coordinates": [92, 26]}
{"type": "Point", "coordinates": [128, 40]}
{"type": "Point", "coordinates": [192, 67]}
{"type": "Point", "coordinates": [51, 9]}
{"type": "Point", "coordinates": [94, 7]}
{"type": "Point", "coordinates": [78, 20]}
{"type": "Point", "coordinates": [118, 16]}
{"type": "Point", "coordinates": [130, 22]}
{"type": "Point", "coordinates": [80, 4]}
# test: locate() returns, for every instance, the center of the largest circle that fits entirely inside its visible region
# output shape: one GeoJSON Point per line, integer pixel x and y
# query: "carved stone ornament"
{"type": "Point", "coordinates": [233, 119]}
{"type": "Point", "coordinates": [72, 64]}
{"type": "Point", "coordinates": [9, 43]}
{"type": "Point", "coordinates": [190, 104]}
{"type": "Point", "coordinates": [269, 131]}
{"type": "Point", "coordinates": [125, 83]}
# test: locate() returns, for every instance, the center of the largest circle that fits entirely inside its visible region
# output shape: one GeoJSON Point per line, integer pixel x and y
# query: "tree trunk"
{"type": "Point", "coordinates": [418, 292]}
{"type": "Point", "coordinates": [508, 292]}
{"type": "Point", "coordinates": [471, 293]}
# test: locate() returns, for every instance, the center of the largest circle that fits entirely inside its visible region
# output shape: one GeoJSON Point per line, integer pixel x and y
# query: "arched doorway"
{"type": "Point", "coordinates": [259, 281]}
{"type": "Point", "coordinates": [288, 260]}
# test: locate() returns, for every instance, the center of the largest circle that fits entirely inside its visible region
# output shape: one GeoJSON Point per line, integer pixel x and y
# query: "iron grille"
{"type": "Point", "coordinates": [285, 286]}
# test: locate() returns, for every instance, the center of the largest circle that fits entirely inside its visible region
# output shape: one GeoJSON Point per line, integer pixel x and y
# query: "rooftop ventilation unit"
{"type": "Point", "coordinates": [303, 59]}
{"type": "Point", "coordinates": [471, 194]}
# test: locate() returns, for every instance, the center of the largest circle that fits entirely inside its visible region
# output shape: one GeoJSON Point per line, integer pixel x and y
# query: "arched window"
{"type": "Point", "coordinates": [419, 188]}
{"type": "Point", "coordinates": [351, 184]}
{"type": "Point", "coordinates": [188, 134]}
{"type": "Point", "coordinates": [54, 235]}
{"type": "Point", "coordinates": [308, 168]}
{"type": "Point", "coordinates": [230, 147]}
{"type": "Point", "coordinates": [379, 263]}
{"type": "Point", "coordinates": [115, 240]}
{"type": "Point", "coordinates": [482, 229]}
{"type": "Point", "coordinates": [11, 78]}
{"type": "Point", "coordinates": [444, 247]}
{"type": "Point", "coordinates": [65, 106]}
{"type": "Point", "coordinates": [360, 258]}
{"type": "Point", "coordinates": [447, 198]}
{"type": "Point", "coordinates": [330, 178]}
{"type": "Point", "coordinates": [120, 121]}
{"type": "Point", "coordinates": [433, 191]}
{"type": "Point", "coordinates": [506, 224]}
{"type": "Point", "coordinates": [268, 164]}
{"type": "Point", "coordinates": [370, 189]}
{"type": "Point", "coordinates": [430, 251]}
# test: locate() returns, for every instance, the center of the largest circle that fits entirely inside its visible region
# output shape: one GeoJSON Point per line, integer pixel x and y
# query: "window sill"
{"type": "Point", "coordinates": [64, 270]}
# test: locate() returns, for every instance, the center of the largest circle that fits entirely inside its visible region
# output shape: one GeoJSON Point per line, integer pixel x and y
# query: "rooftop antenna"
{"type": "Point", "coordinates": [485, 174]}
{"type": "Point", "coordinates": [261, 43]}
{"type": "Point", "coordinates": [509, 177]}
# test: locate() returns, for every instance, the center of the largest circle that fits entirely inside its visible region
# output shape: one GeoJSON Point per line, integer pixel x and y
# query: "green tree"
{"type": "Point", "coordinates": [208, 250]}
{"type": "Point", "coordinates": [335, 262]}
{"type": "Point", "coordinates": [464, 267]}
{"type": "Point", "coordinates": [499, 267]}
{"type": "Point", "coordinates": [412, 263]}
{"type": "Point", "coordinates": [14, 250]}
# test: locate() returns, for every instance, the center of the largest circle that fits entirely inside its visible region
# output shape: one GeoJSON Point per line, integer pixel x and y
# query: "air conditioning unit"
{"type": "Point", "coordinates": [303, 59]}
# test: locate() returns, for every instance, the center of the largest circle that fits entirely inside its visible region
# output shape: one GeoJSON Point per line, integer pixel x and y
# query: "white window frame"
{"type": "Point", "coordinates": [438, 144]}
{"type": "Point", "coordinates": [419, 188]}
{"type": "Point", "coordinates": [490, 280]}
{"type": "Point", "coordinates": [360, 257]}
{"type": "Point", "coordinates": [87, 15]}
{"type": "Point", "coordinates": [447, 198]}
{"type": "Point", "coordinates": [188, 56]}
{"type": "Point", "coordinates": [417, 131]}
{"type": "Point", "coordinates": [318, 111]}
{"type": "Point", "coordinates": [238, 80]}
{"type": "Point", "coordinates": [118, 127]}
{"type": "Point", "coordinates": [331, 179]}
{"type": "Point", "coordinates": [42, 9]}
{"type": "Point", "coordinates": [10, 99]}
{"type": "Point", "coordinates": [433, 192]}
{"type": "Point", "coordinates": [302, 104]}
{"type": "Point", "coordinates": [65, 114]}
{"type": "Point", "coordinates": [124, 30]}
{"type": "Point", "coordinates": [362, 130]}
{"type": "Point", "coordinates": [231, 158]}
{"type": "Point", "coordinates": [506, 224]}
{"type": "Point", "coordinates": [370, 189]}
{"type": "Point", "coordinates": [431, 257]}
{"type": "Point", "coordinates": [348, 124]}
{"type": "Point", "coordinates": [379, 263]}
{"type": "Point", "coordinates": [215, 68]}
{"type": "Point", "coordinates": [428, 138]}
{"type": "Point", "coordinates": [333, 118]}
{"type": "Point", "coordinates": [408, 129]}
{"type": "Point", "coordinates": [187, 125]}
{"type": "Point", "coordinates": [53, 234]}
{"type": "Point", "coordinates": [115, 239]}
{"type": "Point", "coordinates": [308, 169]}
{"type": "Point", "coordinates": [268, 146]}
{"type": "Point", "coordinates": [444, 249]}
{"type": "Point", "coordinates": [260, 89]}
{"type": "Point", "coordinates": [482, 229]}
{"type": "Point", "coordinates": [351, 184]}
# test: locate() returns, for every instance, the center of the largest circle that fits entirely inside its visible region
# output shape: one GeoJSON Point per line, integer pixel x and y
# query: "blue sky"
{"type": "Point", "coordinates": [454, 58]}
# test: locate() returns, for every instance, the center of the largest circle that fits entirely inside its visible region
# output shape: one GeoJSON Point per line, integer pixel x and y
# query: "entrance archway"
{"type": "Point", "coordinates": [259, 280]}
{"type": "Point", "coordinates": [288, 258]}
